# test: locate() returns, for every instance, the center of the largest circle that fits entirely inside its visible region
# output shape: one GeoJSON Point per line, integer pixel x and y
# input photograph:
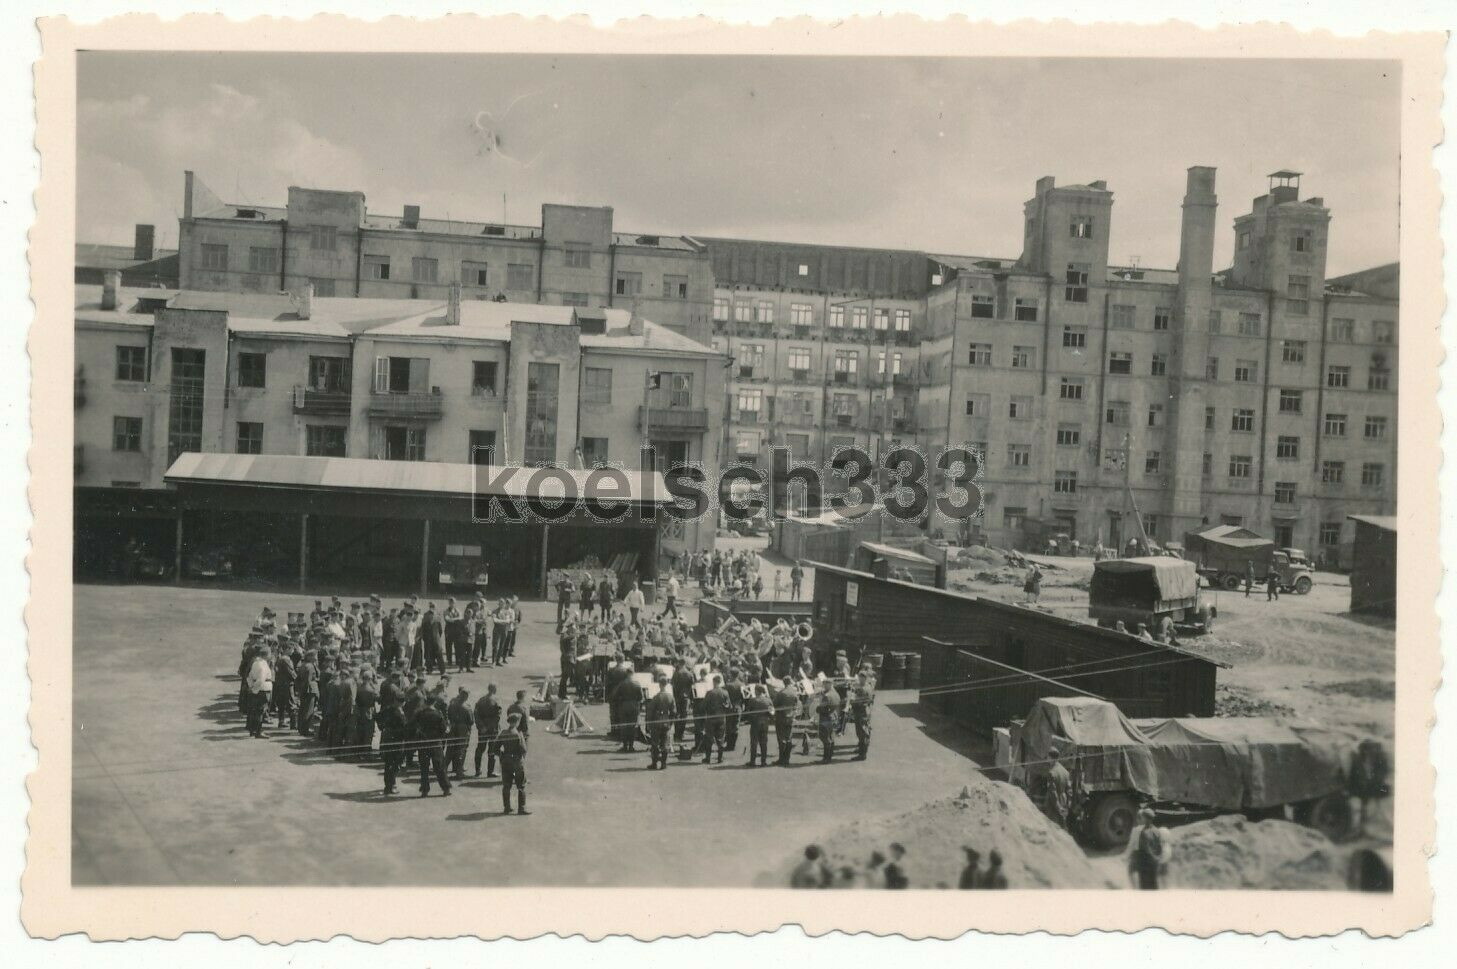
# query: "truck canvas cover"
{"type": "Point", "coordinates": [1165, 577]}
{"type": "Point", "coordinates": [1226, 763]}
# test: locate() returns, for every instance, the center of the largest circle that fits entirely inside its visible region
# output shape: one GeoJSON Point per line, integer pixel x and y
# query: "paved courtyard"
{"type": "Point", "coordinates": [169, 788]}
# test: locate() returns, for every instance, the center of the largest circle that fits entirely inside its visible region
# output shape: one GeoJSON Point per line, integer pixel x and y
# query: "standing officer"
{"type": "Point", "coordinates": [391, 720]}
{"type": "Point", "coordinates": [488, 724]}
{"type": "Point", "coordinates": [683, 680]}
{"type": "Point", "coordinates": [716, 707]}
{"type": "Point", "coordinates": [431, 730]}
{"type": "Point", "coordinates": [735, 690]}
{"type": "Point", "coordinates": [626, 700]}
{"type": "Point", "coordinates": [660, 711]}
{"type": "Point", "coordinates": [565, 588]}
{"type": "Point", "coordinates": [786, 702]}
{"type": "Point", "coordinates": [308, 692]}
{"type": "Point", "coordinates": [862, 695]}
{"type": "Point", "coordinates": [512, 750]}
{"type": "Point", "coordinates": [460, 719]}
{"type": "Point", "coordinates": [828, 711]}
{"type": "Point", "coordinates": [757, 709]}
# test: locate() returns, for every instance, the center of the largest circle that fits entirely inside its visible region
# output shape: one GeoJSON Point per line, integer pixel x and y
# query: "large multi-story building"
{"type": "Point", "coordinates": [1262, 393]}
{"type": "Point", "coordinates": [453, 382]}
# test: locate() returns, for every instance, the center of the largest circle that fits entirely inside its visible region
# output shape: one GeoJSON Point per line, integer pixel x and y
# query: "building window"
{"type": "Point", "coordinates": [750, 358]}
{"type": "Point", "coordinates": [575, 299]}
{"type": "Point", "coordinates": [423, 269]}
{"type": "Point", "coordinates": [764, 311]}
{"type": "Point", "coordinates": [1209, 418]}
{"type": "Point", "coordinates": [1382, 331]}
{"type": "Point", "coordinates": [1342, 330]}
{"type": "Point", "coordinates": [1013, 517]}
{"type": "Point", "coordinates": [1378, 379]}
{"type": "Point", "coordinates": [1301, 240]}
{"type": "Point", "coordinates": [799, 359]}
{"type": "Point", "coordinates": [482, 448]}
{"type": "Point", "coordinates": [378, 267]}
{"type": "Point", "coordinates": [971, 406]}
{"type": "Point", "coordinates": [1240, 465]}
{"type": "Point", "coordinates": [1292, 351]}
{"type": "Point", "coordinates": [329, 374]}
{"type": "Point", "coordinates": [1081, 227]}
{"type": "Point", "coordinates": [720, 309]}
{"type": "Point", "coordinates": [1120, 363]}
{"type": "Point", "coordinates": [521, 277]}
{"type": "Point", "coordinates": [1070, 388]}
{"type": "Point", "coordinates": [903, 321]}
{"type": "Point", "coordinates": [1216, 321]}
{"type": "Point", "coordinates": [1121, 317]}
{"type": "Point", "coordinates": [483, 378]}
{"type": "Point", "coordinates": [882, 319]}
{"type": "Point", "coordinates": [628, 284]}
{"type": "Point", "coordinates": [1075, 337]}
{"type": "Point", "coordinates": [404, 443]}
{"type": "Point", "coordinates": [1023, 310]}
{"type": "Point", "coordinates": [1249, 324]}
{"type": "Point", "coordinates": [1206, 466]}
{"type": "Point", "coordinates": [577, 257]}
{"type": "Point", "coordinates": [984, 307]}
{"type": "Point", "coordinates": [1333, 472]}
{"type": "Point", "coordinates": [1022, 357]}
{"type": "Point", "coordinates": [1330, 533]}
{"type": "Point", "coordinates": [252, 369]}
{"type": "Point", "coordinates": [322, 287]}
{"type": "Point", "coordinates": [675, 287]}
{"type": "Point", "coordinates": [801, 314]}
{"type": "Point", "coordinates": [1246, 371]}
{"type": "Point", "coordinates": [979, 355]}
{"type": "Point", "coordinates": [1243, 420]}
{"type": "Point", "coordinates": [804, 269]}
{"type": "Point", "coordinates": [743, 311]}
{"type": "Point", "coordinates": [1155, 415]}
{"type": "Point", "coordinates": [1019, 408]}
{"type": "Point", "coordinates": [1291, 401]}
{"type": "Point", "coordinates": [1334, 425]}
{"type": "Point", "coordinates": [262, 259]}
{"type": "Point", "coordinates": [1019, 455]}
{"type": "Point", "coordinates": [1338, 377]}
{"type": "Point", "coordinates": [1152, 460]}
{"type": "Point", "coordinates": [1297, 293]}
{"type": "Point", "coordinates": [323, 237]}
{"type": "Point", "coordinates": [1161, 315]}
{"type": "Point", "coordinates": [1069, 435]}
{"type": "Point", "coordinates": [1287, 448]}
{"type": "Point", "coordinates": [131, 363]}
{"type": "Point", "coordinates": [126, 433]}
{"type": "Point", "coordinates": [1159, 365]}
{"type": "Point", "coordinates": [1065, 482]}
{"type": "Point", "coordinates": [594, 451]}
{"type": "Point", "coordinates": [1284, 492]}
{"type": "Point", "coordinates": [1373, 476]}
{"type": "Point", "coordinates": [186, 401]}
{"type": "Point", "coordinates": [214, 256]}
{"type": "Point", "coordinates": [250, 437]}
{"type": "Point", "coordinates": [1211, 368]}
{"type": "Point", "coordinates": [1116, 413]}
{"type": "Point", "coordinates": [1375, 428]}
{"type": "Point", "coordinates": [324, 441]}
{"type": "Point", "coordinates": [472, 273]}
{"type": "Point", "coordinates": [1076, 288]}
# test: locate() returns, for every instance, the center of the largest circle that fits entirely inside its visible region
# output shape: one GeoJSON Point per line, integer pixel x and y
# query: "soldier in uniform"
{"type": "Point", "coordinates": [523, 714]}
{"type": "Point", "coordinates": [460, 718]}
{"type": "Point", "coordinates": [512, 749]}
{"type": "Point", "coordinates": [757, 709]}
{"type": "Point", "coordinates": [431, 730]}
{"type": "Point", "coordinates": [735, 690]}
{"type": "Point", "coordinates": [716, 706]}
{"type": "Point", "coordinates": [391, 720]}
{"type": "Point", "coordinates": [660, 713]}
{"type": "Point", "coordinates": [827, 710]}
{"type": "Point", "coordinates": [488, 724]}
{"type": "Point", "coordinates": [626, 700]}
{"type": "Point", "coordinates": [683, 680]}
{"type": "Point", "coordinates": [786, 702]}
{"type": "Point", "coordinates": [862, 695]}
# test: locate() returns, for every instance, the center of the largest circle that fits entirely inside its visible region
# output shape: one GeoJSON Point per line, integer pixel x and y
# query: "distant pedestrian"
{"type": "Point", "coordinates": [1249, 578]}
{"type": "Point", "coordinates": [1059, 789]}
{"type": "Point", "coordinates": [1032, 585]}
{"type": "Point", "coordinates": [1149, 855]}
{"type": "Point", "coordinates": [1272, 587]}
{"type": "Point", "coordinates": [511, 747]}
{"type": "Point", "coordinates": [812, 872]}
{"type": "Point", "coordinates": [895, 874]}
{"type": "Point", "coordinates": [971, 874]}
{"type": "Point", "coordinates": [994, 877]}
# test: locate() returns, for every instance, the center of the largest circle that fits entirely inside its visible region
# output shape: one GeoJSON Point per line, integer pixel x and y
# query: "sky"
{"type": "Point", "coordinates": [919, 153]}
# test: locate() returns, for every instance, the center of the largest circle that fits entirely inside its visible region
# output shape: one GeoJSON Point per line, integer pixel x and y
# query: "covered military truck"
{"type": "Point", "coordinates": [1263, 767]}
{"type": "Point", "coordinates": [1146, 591]}
{"type": "Point", "coordinates": [1225, 554]}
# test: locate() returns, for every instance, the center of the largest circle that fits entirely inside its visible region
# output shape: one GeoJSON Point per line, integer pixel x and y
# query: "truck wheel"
{"type": "Point", "coordinates": [1230, 581]}
{"type": "Point", "coordinates": [1112, 821]}
{"type": "Point", "coordinates": [1302, 585]}
{"type": "Point", "coordinates": [1330, 815]}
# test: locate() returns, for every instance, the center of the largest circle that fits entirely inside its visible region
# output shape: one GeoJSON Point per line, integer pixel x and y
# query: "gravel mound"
{"type": "Point", "coordinates": [1231, 852]}
{"type": "Point", "coordinates": [1234, 701]}
{"type": "Point", "coordinates": [1363, 689]}
{"type": "Point", "coordinates": [987, 815]}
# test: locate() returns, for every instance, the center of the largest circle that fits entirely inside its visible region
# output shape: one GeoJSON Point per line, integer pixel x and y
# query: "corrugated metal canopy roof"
{"type": "Point", "coordinates": [1387, 522]}
{"type": "Point", "coordinates": [409, 477]}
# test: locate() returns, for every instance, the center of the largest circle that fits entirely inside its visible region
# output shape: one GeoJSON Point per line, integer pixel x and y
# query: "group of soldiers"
{"type": "Point", "coordinates": [320, 677]}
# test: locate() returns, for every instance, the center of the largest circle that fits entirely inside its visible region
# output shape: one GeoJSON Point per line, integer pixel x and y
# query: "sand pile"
{"type": "Point", "coordinates": [1035, 853]}
{"type": "Point", "coordinates": [1231, 852]}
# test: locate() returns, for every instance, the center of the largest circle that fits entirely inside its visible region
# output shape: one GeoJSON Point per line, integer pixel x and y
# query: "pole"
{"type": "Point", "coordinates": [425, 558]}
{"type": "Point", "coordinates": [303, 552]}
{"type": "Point", "coordinates": [177, 552]}
{"type": "Point", "coordinates": [545, 531]}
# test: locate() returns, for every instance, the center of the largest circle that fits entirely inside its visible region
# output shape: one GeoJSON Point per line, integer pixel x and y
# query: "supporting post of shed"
{"type": "Point", "coordinates": [303, 552]}
{"type": "Point", "coordinates": [177, 552]}
{"type": "Point", "coordinates": [425, 559]}
{"type": "Point", "coordinates": [541, 582]}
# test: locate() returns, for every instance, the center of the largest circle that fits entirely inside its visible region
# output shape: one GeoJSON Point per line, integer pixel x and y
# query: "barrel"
{"type": "Point", "coordinates": [895, 672]}
{"type": "Point", "coordinates": [913, 671]}
{"type": "Point", "coordinates": [875, 660]}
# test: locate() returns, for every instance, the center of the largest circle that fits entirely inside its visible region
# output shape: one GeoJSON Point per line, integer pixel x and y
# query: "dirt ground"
{"type": "Point", "coordinates": [1305, 656]}
{"type": "Point", "coordinates": [169, 788]}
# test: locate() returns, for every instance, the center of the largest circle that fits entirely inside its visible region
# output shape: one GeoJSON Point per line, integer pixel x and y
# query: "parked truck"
{"type": "Point", "coordinates": [1226, 554]}
{"type": "Point", "coordinates": [1146, 591]}
{"type": "Point", "coordinates": [1189, 767]}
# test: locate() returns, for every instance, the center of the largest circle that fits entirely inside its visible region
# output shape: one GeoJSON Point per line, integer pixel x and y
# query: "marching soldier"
{"type": "Point", "coordinates": [512, 750]}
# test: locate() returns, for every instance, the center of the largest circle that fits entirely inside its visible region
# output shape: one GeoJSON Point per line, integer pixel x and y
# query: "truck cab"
{"type": "Point", "coordinates": [1293, 569]}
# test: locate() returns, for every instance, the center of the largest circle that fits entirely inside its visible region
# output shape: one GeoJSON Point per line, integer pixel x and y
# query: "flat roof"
{"type": "Point", "coordinates": [408, 477]}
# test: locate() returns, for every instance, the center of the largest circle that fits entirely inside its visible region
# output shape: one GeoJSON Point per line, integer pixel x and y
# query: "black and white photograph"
{"type": "Point", "coordinates": [526, 470]}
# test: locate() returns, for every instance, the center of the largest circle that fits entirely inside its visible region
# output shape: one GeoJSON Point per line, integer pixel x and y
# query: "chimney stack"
{"type": "Point", "coordinates": [303, 301]}
{"type": "Point", "coordinates": [110, 284]}
{"type": "Point", "coordinates": [1196, 236]}
{"type": "Point", "coordinates": [452, 306]}
{"type": "Point", "coordinates": [143, 248]}
{"type": "Point", "coordinates": [635, 322]}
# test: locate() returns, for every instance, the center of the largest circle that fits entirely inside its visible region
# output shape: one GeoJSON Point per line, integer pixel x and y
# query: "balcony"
{"type": "Point", "coordinates": [799, 376]}
{"type": "Point", "coordinates": [407, 406]}
{"type": "Point", "coordinates": [905, 380]}
{"type": "Point", "coordinates": [333, 403]}
{"type": "Point", "coordinates": [845, 379]}
{"type": "Point", "coordinates": [674, 418]}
